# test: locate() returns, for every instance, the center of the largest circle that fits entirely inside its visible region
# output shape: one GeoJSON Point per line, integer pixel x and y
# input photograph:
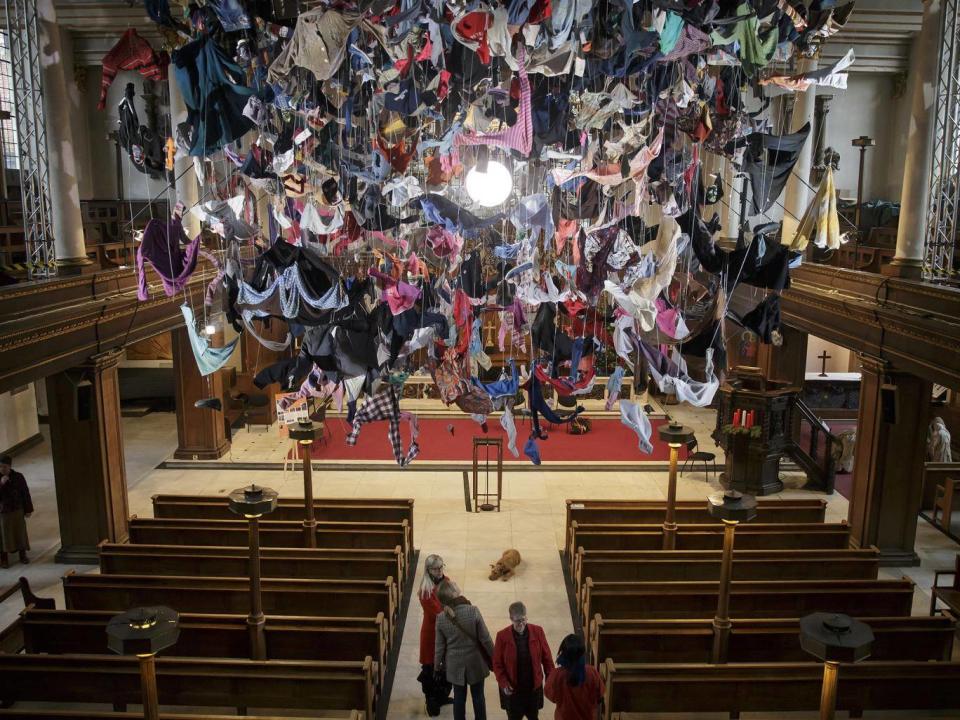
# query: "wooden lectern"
{"type": "Point", "coordinates": [754, 429]}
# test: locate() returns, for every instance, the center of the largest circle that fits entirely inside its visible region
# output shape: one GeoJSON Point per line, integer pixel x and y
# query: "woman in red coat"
{"type": "Point", "coordinates": [521, 661]}
{"type": "Point", "coordinates": [575, 687]}
{"type": "Point", "coordinates": [436, 689]}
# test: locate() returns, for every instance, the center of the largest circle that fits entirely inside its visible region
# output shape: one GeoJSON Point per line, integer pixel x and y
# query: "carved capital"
{"type": "Point", "coordinates": [873, 365]}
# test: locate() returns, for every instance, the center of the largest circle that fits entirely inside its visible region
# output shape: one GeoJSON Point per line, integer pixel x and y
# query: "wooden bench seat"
{"type": "Point", "coordinates": [208, 560]}
{"type": "Point", "coordinates": [824, 536]}
{"type": "Point", "coordinates": [191, 682]}
{"type": "Point", "coordinates": [757, 640]}
{"type": "Point", "coordinates": [273, 533]}
{"type": "Point", "coordinates": [748, 599]}
{"type": "Point", "coordinates": [335, 598]}
{"type": "Point", "coordinates": [688, 511]}
{"type": "Point", "coordinates": [83, 632]}
{"type": "Point", "coordinates": [681, 565]}
{"type": "Point", "coordinates": [787, 687]}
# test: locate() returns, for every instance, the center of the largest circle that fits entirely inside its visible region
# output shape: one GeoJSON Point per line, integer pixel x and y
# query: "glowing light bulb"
{"type": "Point", "coordinates": [210, 329]}
{"type": "Point", "coordinates": [491, 188]}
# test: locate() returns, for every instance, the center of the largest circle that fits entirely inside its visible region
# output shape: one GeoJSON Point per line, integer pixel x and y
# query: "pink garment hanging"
{"type": "Point", "coordinates": [400, 296]}
{"type": "Point", "coordinates": [519, 136]}
{"type": "Point", "coordinates": [442, 242]}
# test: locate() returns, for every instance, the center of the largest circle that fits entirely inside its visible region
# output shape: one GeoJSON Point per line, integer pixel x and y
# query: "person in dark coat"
{"type": "Point", "coordinates": [521, 661]}
{"type": "Point", "coordinates": [436, 689]}
{"type": "Point", "coordinates": [15, 505]}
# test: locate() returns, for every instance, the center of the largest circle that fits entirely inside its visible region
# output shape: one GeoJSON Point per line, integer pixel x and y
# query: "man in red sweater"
{"type": "Point", "coordinates": [521, 661]}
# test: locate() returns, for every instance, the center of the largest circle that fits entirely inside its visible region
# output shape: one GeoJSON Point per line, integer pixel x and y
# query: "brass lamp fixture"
{"type": "Point", "coordinates": [305, 433]}
{"type": "Point", "coordinates": [675, 435]}
{"type": "Point", "coordinates": [834, 639]}
{"type": "Point", "coordinates": [252, 503]}
{"type": "Point", "coordinates": [732, 508]}
{"type": "Point", "coordinates": [144, 632]}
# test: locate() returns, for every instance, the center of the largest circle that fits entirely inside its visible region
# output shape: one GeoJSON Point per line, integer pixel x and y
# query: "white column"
{"type": "Point", "coordinates": [797, 195]}
{"type": "Point", "coordinates": [188, 191]}
{"type": "Point", "coordinates": [922, 87]}
{"type": "Point", "coordinates": [64, 189]}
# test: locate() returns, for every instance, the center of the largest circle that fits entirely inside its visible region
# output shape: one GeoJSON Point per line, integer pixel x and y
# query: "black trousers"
{"type": "Point", "coordinates": [523, 705]}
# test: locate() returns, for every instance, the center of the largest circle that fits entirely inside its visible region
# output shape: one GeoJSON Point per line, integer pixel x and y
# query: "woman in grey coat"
{"type": "Point", "coordinates": [464, 650]}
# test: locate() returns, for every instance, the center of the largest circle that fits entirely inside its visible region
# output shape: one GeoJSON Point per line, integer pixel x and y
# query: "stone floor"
{"type": "Point", "coordinates": [531, 521]}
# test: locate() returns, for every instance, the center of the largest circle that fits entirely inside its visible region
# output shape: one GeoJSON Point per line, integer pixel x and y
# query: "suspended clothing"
{"type": "Point", "coordinates": [400, 296]}
{"type": "Point", "coordinates": [455, 219]}
{"type": "Point", "coordinates": [672, 379]}
{"type": "Point", "coordinates": [531, 450]}
{"type": "Point", "coordinates": [820, 223]}
{"type": "Point", "coordinates": [768, 162]}
{"type": "Point", "coordinates": [509, 427]}
{"type": "Point", "coordinates": [538, 406]}
{"type": "Point", "coordinates": [633, 416]}
{"type": "Point", "coordinates": [319, 43]}
{"type": "Point", "coordinates": [833, 76]}
{"type": "Point", "coordinates": [289, 297]}
{"type": "Point", "coordinates": [754, 49]}
{"type": "Point", "coordinates": [213, 90]}
{"type": "Point", "coordinates": [566, 387]}
{"type": "Point", "coordinates": [209, 359]}
{"type": "Point", "coordinates": [131, 52]}
{"type": "Point", "coordinates": [384, 406]}
{"type": "Point", "coordinates": [764, 319]}
{"type": "Point", "coordinates": [519, 136]}
{"type": "Point", "coordinates": [614, 384]}
{"type": "Point", "coordinates": [161, 248]}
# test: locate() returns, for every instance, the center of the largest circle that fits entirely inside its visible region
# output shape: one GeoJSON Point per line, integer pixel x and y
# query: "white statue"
{"type": "Point", "coordinates": [843, 450]}
{"type": "Point", "coordinates": [938, 442]}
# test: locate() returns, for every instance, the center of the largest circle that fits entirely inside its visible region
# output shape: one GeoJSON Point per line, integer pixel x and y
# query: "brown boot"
{"type": "Point", "coordinates": [23, 557]}
{"type": "Point", "coordinates": [4, 560]}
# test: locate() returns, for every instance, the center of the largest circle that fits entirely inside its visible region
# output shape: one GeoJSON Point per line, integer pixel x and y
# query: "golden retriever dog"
{"type": "Point", "coordinates": [504, 567]}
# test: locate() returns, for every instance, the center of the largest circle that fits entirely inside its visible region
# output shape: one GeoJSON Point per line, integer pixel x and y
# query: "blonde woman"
{"type": "Point", "coordinates": [436, 689]}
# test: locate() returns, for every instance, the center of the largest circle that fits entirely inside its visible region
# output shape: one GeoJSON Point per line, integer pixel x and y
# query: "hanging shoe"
{"type": "Point", "coordinates": [211, 403]}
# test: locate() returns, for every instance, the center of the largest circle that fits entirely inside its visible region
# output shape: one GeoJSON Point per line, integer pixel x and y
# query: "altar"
{"type": "Point", "coordinates": [835, 395]}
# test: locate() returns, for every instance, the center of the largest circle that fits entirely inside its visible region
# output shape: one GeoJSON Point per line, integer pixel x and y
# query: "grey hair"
{"type": "Point", "coordinates": [448, 592]}
{"type": "Point", "coordinates": [517, 609]}
{"type": "Point", "coordinates": [427, 585]}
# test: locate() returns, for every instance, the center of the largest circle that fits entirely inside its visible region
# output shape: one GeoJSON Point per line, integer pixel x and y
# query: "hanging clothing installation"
{"type": "Point", "coordinates": [209, 359]}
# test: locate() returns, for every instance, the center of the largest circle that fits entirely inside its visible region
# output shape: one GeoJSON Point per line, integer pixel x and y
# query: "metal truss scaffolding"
{"type": "Point", "coordinates": [25, 48]}
{"type": "Point", "coordinates": [944, 196]}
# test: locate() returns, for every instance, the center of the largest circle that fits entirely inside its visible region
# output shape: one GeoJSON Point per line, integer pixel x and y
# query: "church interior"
{"type": "Point", "coordinates": [625, 331]}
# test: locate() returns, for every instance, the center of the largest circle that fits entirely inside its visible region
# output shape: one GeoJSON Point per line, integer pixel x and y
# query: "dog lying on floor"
{"type": "Point", "coordinates": [504, 567]}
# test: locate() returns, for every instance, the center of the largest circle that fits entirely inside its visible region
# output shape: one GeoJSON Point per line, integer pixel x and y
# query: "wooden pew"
{"type": "Point", "coordinates": [642, 512]}
{"type": "Point", "coordinates": [810, 536]}
{"type": "Point", "coordinates": [214, 507]}
{"type": "Point", "coordinates": [757, 640]}
{"type": "Point", "coordinates": [748, 599]}
{"type": "Point", "coordinates": [208, 560]}
{"type": "Point", "coordinates": [787, 687]}
{"type": "Point", "coordinates": [83, 632]}
{"type": "Point", "coordinates": [315, 598]}
{"type": "Point", "coordinates": [190, 682]}
{"type": "Point", "coordinates": [680, 565]}
{"type": "Point", "coordinates": [103, 715]}
{"type": "Point", "coordinates": [273, 533]}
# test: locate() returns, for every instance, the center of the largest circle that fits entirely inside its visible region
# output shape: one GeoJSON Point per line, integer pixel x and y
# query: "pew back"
{"type": "Point", "coordinates": [190, 682]}
{"type": "Point", "coordinates": [757, 640]}
{"type": "Point", "coordinates": [748, 599]}
{"type": "Point", "coordinates": [786, 687]}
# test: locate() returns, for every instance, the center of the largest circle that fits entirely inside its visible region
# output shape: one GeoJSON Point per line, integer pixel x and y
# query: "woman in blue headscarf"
{"type": "Point", "coordinates": [574, 687]}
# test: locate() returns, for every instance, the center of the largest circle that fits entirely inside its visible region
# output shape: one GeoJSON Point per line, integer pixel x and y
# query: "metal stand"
{"type": "Point", "coordinates": [497, 444]}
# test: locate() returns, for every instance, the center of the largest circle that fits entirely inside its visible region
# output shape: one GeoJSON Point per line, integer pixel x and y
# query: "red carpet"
{"type": "Point", "coordinates": [608, 440]}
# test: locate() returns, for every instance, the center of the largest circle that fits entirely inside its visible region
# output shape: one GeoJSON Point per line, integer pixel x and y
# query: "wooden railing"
{"type": "Point", "coordinates": [815, 456]}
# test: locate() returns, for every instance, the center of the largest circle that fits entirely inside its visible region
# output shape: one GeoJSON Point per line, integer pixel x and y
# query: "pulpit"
{"type": "Point", "coordinates": [753, 428]}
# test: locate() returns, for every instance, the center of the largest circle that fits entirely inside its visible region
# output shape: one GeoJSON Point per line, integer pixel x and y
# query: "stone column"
{"type": "Point", "coordinates": [86, 440]}
{"type": "Point", "coordinates": [188, 190]}
{"type": "Point", "coordinates": [201, 432]}
{"type": "Point", "coordinates": [921, 88]}
{"type": "Point", "coordinates": [797, 195]}
{"type": "Point", "coordinates": [888, 461]}
{"type": "Point", "coordinates": [64, 188]}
